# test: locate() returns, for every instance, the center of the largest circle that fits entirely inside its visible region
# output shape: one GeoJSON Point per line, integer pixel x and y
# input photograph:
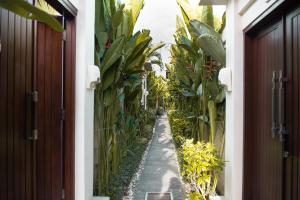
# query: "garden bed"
{"type": "Point", "coordinates": [119, 185]}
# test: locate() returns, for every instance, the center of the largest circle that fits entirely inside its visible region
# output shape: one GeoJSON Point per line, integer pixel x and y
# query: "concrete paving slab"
{"type": "Point", "coordinates": [161, 169]}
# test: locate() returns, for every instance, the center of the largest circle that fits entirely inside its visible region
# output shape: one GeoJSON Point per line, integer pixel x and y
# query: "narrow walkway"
{"type": "Point", "coordinates": [161, 171]}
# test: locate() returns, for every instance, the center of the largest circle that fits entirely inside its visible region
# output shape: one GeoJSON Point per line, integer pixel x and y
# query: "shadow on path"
{"type": "Point", "coordinates": [161, 171]}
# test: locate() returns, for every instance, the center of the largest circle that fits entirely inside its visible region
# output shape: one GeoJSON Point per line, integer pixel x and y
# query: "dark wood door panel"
{"type": "Point", "coordinates": [262, 152]}
{"type": "Point", "coordinates": [49, 86]}
{"type": "Point", "coordinates": [16, 68]}
{"type": "Point", "coordinates": [293, 107]}
{"type": "Point", "coordinates": [32, 58]}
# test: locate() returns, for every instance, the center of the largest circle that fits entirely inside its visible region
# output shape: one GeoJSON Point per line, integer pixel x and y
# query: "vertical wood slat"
{"type": "Point", "coordinates": [56, 156]}
{"type": "Point", "coordinates": [41, 116]}
{"type": "Point", "coordinates": [16, 101]}
{"type": "Point", "coordinates": [3, 105]}
{"type": "Point", "coordinates": [23, 142]}
{"type": "Point", "coordinates": [10, 106]}
{"type": "Point", "coordinates": [69, 97]}
{"type": "Point", "coordinates": [29, 86]}
{"type": "Point", "coordinates": [49, 86]}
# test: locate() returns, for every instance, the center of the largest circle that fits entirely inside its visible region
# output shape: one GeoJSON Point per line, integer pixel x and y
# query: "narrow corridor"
{"type": "Point", "coordinates": [161, 171]}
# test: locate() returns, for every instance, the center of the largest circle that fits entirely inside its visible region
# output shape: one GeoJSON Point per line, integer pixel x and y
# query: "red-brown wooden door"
{"type": "Point", "coordinates": [50, 113]}
{"type": "Point", "coordinates": [292, 177]}
{"type": "Point", "coordinates": [263, 159]}
{"type": "Point", "coordinates": [37, 92]}
{"type": "Point", "coordinates": [30, 168]}
{"type": "Point", "coordinates": [272, 109]}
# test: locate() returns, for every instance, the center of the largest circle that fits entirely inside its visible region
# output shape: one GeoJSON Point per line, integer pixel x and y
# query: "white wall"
{"type": "Point", "coordinates": [240, 13]}
{"type": "Point", "coordinates": [84, 109]}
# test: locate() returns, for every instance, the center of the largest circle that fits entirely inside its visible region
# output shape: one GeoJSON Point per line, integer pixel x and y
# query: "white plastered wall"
{"type": "Point", "coordinates": [240, 13]}
{"type": "Point", "coordinates": [84, 108]}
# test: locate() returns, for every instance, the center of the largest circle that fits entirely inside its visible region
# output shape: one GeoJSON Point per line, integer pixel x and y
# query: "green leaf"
{"type": "Point", "coordinates": [101, 38]}
{"type": "Point", "coordinates": [209, 40]}
{"type": "Point", "coordinates": [221, 96]}
{"type": "Point", "coordinates": [135, 6]}
{"type": "Point", "coordinates": [208, 16]}
{"type": "Point", "coordinates": [28, 11]}
{"type": "Point", "coordinates": [150, 50]}
{"type": "Point", "coordinates": [213, 47]}
{"type": "Point", "coordinates": [118, 17]}
{"type": "Point", "coordinates": [113, 54]}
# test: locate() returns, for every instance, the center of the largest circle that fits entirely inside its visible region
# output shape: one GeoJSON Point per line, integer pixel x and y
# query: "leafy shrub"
{"type": "Point", "coordinates": [201, 167]}
{"type": "Point", "coordinates": [180, 125]}
{"type": "Point", "coordinates": [195, 196]}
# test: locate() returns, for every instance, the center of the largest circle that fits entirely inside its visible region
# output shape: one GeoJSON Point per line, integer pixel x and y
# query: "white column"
{"type": "Point", "coordinates": [84, 101]}
{"type": "Point", "coordinates": [234, 105]}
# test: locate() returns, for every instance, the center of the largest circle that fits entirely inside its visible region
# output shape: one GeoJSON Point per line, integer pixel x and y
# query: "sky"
{"type": "Point", "coordinates": [159, 16]}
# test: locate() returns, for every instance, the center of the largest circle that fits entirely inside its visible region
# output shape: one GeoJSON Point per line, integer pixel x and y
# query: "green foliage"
{"type": "Point", "coordinates": [196, 59]}
{"type": "Point", "coordinates": [209, 40]}
{"type": "Point", "coordinates": [196, 100]}
{"type": "Point", "coordinates": [25, 9]}
{"type": "Point", "coordinates": [195, 196]}
{"type": "Point", "coordinates": [119, 117]}
{"type": "Point", "coordinates": [181, 126]}
{"type": "Point", "coordinates": [157, 92]}
{"type": "Point", "coordinates": [132, 154]}
{"type": "Point", "coordinates": [201, 167]}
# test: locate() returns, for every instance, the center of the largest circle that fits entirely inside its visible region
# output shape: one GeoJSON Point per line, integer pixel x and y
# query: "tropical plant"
{"type": "Point", "coordinates": [196, 59]}
{"type": "Point", "coordinates": [157, 91]}
{"type": "Point", "coordinates": [121, 57]}
{"type": "Point", "coordinates": [27, 10]}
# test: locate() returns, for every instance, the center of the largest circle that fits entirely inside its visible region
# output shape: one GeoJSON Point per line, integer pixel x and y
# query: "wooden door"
{"type": "Point", "coordinates": [37, 101]}
{"type": "Point", "coordinates": [50, 113]}
{"type": "Point", "coordinates": [263, 150]}
{"type": "Point", "coordinates": [293, 107]}
{"type": "Point", "coordinates": [271, 161]}
{"type": "Point", "coordinates": [17, 163]}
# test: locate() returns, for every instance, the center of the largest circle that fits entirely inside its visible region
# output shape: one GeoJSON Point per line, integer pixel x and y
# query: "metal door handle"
{"type": "Point", "coordinates": [281, 107]}
{"type": "Point", "coordinates": [274, 105]}
{"type": "Point", "coordinates": [33, 100]}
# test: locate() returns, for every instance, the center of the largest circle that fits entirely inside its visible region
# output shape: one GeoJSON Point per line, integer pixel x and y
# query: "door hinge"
{"type": "Point", "coordinates": [63, 195]}
{"type": "Point", "coordinates": [64, 35]}
{"type": "Point", "coordinates": [63, 115]}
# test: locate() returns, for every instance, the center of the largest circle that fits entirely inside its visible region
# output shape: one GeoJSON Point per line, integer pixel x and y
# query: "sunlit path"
{"type": "Point", "coordinates": [161, 172]}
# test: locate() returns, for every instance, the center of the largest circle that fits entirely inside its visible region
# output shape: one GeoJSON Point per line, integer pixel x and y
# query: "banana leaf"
{"type": "Point", "coordinates": [208, 16]}
{"type": "Point", "coordinates": [209, 40]}
{"type": "Point", "coordinates": [113, 54]}
{"type": "Point", "coordinates": [126, 27]}
{"type": "Point", "coordinates": [118, 17]}
{"type": "Point", "coordinates": [151, 51]}
{"type": "Point", "coordinates": [25, 9]}
{"type": "Point", "coordinates": [213, 47]}
{"type": "Point", "coordinates": [180, 27]}
{"type": "Point", "coordinates": [135, 6]}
